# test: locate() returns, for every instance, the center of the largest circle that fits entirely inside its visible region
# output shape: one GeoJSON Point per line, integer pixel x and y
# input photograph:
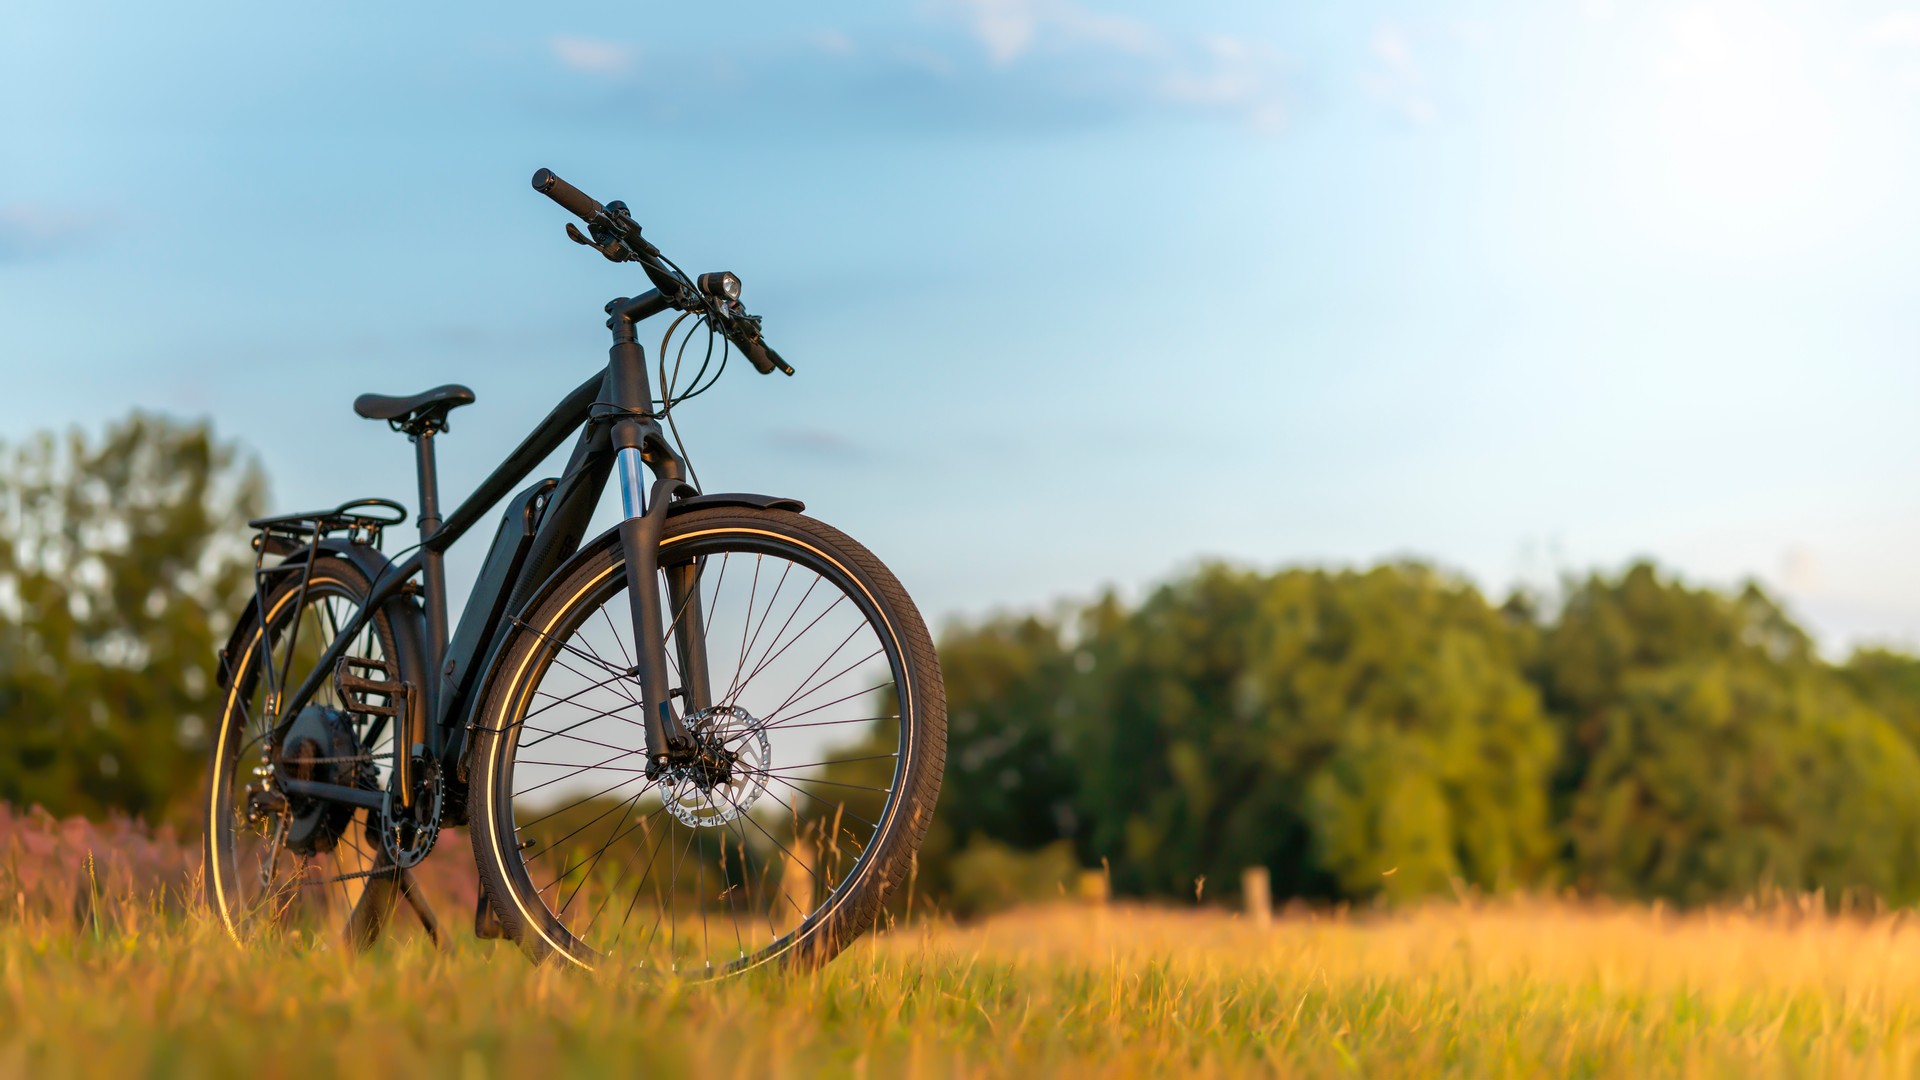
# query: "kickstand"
{"type": "Point", "coordinates": [486, 921]}
{"type": "Point", "coordinates": [417, 900]}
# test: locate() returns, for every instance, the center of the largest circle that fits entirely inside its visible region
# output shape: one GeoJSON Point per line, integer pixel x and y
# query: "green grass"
{"type": "Point", "coordinates": [1474, 990]}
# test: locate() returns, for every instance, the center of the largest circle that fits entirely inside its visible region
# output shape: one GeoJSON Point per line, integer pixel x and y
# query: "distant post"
{"type": "Point", "coordinates": [1257, 891]}
{"type": "Point", "coordinates": [1092, 887]}
{"type": "Point", "coordinates": [796, 884]}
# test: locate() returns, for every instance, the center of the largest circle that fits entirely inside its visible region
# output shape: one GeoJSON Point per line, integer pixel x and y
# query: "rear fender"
{"type": "Point", "coordinates": [403, 611]}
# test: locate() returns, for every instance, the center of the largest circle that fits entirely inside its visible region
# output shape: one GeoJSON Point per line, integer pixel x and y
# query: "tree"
{"type": "Point", "coordinates": [1009, 688]}
{"type": "Point", "coordinates": [1356, 733]}
{"type": "Point", "coordinates": [1712, 752]}
{"type": "Point", "coordinates": [1889, 682]}
{"type": "Point", "coordinates": [122, 562]}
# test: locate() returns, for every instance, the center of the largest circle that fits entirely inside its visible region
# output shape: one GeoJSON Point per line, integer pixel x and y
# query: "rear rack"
{"type": "Point", "coordinates": [361, 519]}
{"type": "Point", "coordinates": [280, 536]}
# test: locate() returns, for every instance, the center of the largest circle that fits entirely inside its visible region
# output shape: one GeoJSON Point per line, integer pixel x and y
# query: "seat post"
{"type": "Point", "coordinates": [432, 564]}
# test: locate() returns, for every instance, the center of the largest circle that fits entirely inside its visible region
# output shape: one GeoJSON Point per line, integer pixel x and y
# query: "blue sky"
{"type": "Point", "coordinates": [1079, 291]}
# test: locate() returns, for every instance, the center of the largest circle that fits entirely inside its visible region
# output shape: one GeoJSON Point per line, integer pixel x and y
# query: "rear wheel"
{"type": "Point", "coordinates": [283, 864]}
{"type": "Point", "coordinates": [817, 768]}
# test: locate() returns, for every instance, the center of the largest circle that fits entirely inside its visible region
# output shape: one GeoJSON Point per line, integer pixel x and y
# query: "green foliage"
{"type": "Point", "coordinates": [1391, 733]}
{"type": "Point", "coordinates": [1353, 732]}
{"type": "Point", "coordinates": [121, 562]}
{"type": "Point", "coordinates": [1890, 683]}
{"type": "Point", "coordinates": [1010, 683]}
{"type": "Point", "coordinates": [1380, 733]}
{"type": "Point", "coordinates": [1714, 753]}
{"type": "Point", "coordinates": [991, 876]}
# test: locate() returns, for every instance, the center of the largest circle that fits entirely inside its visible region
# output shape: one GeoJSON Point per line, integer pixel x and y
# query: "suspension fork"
{"type": "Point", "coordinates": [689, 631]}
{"type": "Point", "coordinates": [640, 534]}
{"type": "Point", "coordinates": [639, 447]}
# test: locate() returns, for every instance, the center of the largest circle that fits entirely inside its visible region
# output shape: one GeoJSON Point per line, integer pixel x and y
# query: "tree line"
{"type": "Point", "coordinates": [1391, 732]}
{"type": "Point", "coordinates": [1387, 732]}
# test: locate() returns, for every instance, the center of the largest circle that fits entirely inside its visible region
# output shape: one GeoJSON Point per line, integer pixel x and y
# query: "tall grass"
{"type": "Point", "coordinates": [1464, 988]}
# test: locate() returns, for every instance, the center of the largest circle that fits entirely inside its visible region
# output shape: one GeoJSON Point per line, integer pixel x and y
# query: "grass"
{"type": "Point", "coordinates": [1476, 989]}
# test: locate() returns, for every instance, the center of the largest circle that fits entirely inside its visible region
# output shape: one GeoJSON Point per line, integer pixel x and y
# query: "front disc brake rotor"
{"type": "Point", "coordinates": [728, 773]}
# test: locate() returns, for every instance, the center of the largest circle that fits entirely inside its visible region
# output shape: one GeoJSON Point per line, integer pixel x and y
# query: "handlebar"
{"type": "Point", "coordinates": [570, 198]}
{"type": "Point", "coordinates": [617, 236]}
{"type": "Point", "coordinates": [764, 360]}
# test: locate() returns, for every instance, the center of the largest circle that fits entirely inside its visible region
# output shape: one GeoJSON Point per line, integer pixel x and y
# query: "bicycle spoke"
{"type": "Point", "coordinates": [747, 650]}
{"type": "Point", "coordinates": [765, 661]}
{"type": "Point", "coordinates": [858, 693]}
{"type": "Point", "coordinates": [577, 802]}
{"type": "Point", "coordinates": [752, 592]}
{"type": "Point", "coordinates": [626, 865]}
{"type": "Point", "coordinates": [797, 697]}
{"type": "Point", "coordinates": [603, 847]}
{"type": "Point", "coordinates": [838, 808]}
{"type": "Point", "coordinates": [588, 872]}
{"type": "Point", "coordinates": [784, 726]}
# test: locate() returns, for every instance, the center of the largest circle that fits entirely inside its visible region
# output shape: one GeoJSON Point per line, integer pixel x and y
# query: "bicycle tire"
{"type": "Point", "coordinates": [592, 581]}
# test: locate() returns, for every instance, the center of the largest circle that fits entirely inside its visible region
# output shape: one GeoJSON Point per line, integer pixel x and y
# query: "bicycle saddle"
{"type": "Point", "coordinates": [429, 407]}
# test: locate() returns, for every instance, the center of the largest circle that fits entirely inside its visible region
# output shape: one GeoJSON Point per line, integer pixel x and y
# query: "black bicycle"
{"type": "Point", "coordinates": [708, 739]}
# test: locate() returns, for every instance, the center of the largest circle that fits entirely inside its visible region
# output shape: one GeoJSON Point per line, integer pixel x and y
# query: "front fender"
{"type": "Point", "coordinates": [735, 498]}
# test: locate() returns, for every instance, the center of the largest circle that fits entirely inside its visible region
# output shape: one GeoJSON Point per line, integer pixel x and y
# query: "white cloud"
{"type": "Point", "coordinates": [592, 55]}
{"type": "Point", "coordinates": [1212, 72]}
{"type": "Point", "coordinates": [1009, 29]}
{"type": "Point", "coordinates": [1233, 74]}
{"type": "Point", "coordinates": [1396, 80]}
{"type": "Point", "coordinates": [1598, 10]}
{"type": "Point", "coordinates": [1900, 30]}
{"type": "Point", "coordinates": [1005, 27]}
{"type": "Point", "coordinates": [833, 42]}
{"type": "Point", "coordinates": [31, 229]}
{"type": "Point", "coordinates": [1800, 572]}
{"type": "Point", "coordinates": [1895, 42]}
{"type": "Point", "coordinates": [1390, 47]}
{"type": "Point", "coordinates": [1080, 26]}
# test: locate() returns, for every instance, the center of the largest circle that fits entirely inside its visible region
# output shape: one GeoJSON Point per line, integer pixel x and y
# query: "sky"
{"type": "Point", "coordinates": [1079, 292]}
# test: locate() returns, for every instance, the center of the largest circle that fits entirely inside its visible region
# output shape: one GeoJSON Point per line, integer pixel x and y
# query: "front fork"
{"type": "Point", "coordinates": [643, 524]}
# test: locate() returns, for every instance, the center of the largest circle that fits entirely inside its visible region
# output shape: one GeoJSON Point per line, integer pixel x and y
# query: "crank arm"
{"type": "Point", "coordinates": [333, 793]}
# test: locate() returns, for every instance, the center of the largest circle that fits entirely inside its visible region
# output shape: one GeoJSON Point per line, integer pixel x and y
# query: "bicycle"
{"type": "Point", "coordinates": [702, 777]}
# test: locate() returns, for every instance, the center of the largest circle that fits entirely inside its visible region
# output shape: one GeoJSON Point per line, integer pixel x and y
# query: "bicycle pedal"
{"type": "Point", "coordinates": [355, 689]}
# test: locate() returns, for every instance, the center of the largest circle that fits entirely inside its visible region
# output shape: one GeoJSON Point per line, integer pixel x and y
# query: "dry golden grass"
{"type": "Point", "coordinates": [1477, 989]}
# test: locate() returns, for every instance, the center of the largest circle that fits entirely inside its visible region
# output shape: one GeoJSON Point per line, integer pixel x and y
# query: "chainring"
{"type": "Point", "coordinates": [409, 833]}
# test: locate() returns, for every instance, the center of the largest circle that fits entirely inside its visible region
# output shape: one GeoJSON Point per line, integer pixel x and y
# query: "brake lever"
{"type": "Point", "coordinates": [614, 250]}
{"type": "Point", "coordinates": [614, 234]}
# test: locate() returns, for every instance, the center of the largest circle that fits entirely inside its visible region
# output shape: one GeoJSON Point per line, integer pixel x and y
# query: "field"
{"type": "Point", "coordinates": [141, 983]}
{"type": "Point", "coordinates": [1476, 989]}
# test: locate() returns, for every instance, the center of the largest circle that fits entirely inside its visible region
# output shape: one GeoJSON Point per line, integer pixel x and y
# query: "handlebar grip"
{"type": "Point", "coordinates": [576, 202]}
{"type": "Point", "coordinates": [764, 360]}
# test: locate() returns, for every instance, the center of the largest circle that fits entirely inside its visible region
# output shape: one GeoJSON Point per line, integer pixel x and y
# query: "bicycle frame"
{"type": "Point", "coordinates": [617, 432]}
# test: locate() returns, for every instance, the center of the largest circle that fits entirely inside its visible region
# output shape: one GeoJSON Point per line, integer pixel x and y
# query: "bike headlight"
{"type": "Point", "coordinates": [721, 284]}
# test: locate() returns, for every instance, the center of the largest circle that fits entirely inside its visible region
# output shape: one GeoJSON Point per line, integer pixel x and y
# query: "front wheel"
{"type": "Point", "coordinates": [819, 754]}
